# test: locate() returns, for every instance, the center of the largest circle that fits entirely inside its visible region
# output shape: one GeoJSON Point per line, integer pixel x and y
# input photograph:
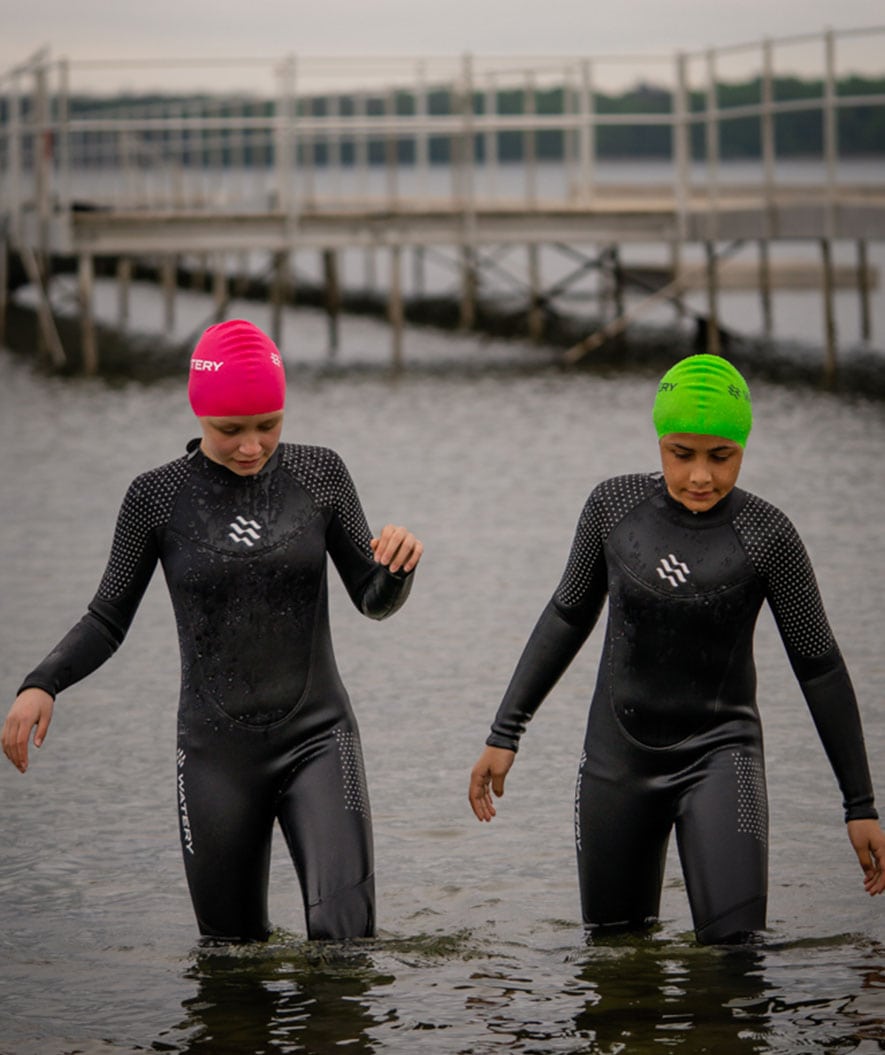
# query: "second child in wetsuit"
{"type": "Point", "coordinates": [685, 559]}
{"type": "Point", "coordinates": [242, 526]}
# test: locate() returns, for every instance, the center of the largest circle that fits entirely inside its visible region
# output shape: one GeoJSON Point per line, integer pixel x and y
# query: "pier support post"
{"type": "Point", "coordinates": [616, 280]}
{"type": "Point", "coordinates": [241, 279]}
{"type": "Point", "coordinates": [220, 295]}
{"type": "Point", "coordinates": [4, 285]}
{"type": "Point", "coordinates": [395, 313]}
{"type": "Point", "coordinates": [765, 287]}
{"type": "Point", "coordinates": [418, 281]}
{"type": "Point", "coordinates": [168, 280]}
{"type": "Point", "coordinates": [332, 297]}
{"type": "Point", "coordinates": [536, 310]}
{"type": "Point", "coordinates": [199, 273]}
{"type": "Point", "coordinates": [86, 288]}
{"type": "Point", "coordinates": [48, 339]}
{"type": "Point", "coordinates": [675, 271]}
{"type": "Point", "coordinates": [369, 271]}
{"type": "Point", "coordinates": [279, 294]}
{"type": "Point", "coordinates": [863, 288]}
{"type": "Point", "coordinates": [826, 250]}
{"type": "Point", "coordinates": [124, 283]}
{"type": "Point", "coordinates": [469, 284]}
{"type": "Point", "coordinates": [713, 345]}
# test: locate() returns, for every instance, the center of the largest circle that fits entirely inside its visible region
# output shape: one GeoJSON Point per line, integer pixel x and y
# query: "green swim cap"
{"type": "Point", "coordinates": [704, 394]}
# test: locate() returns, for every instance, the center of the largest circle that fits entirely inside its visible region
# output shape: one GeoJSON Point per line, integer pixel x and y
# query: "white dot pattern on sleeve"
{"type": "Point", "coordinates": [324, 475]}
{"type": "Point", "coordinates": [752, 800]}
{"type": "Point", "coordinates": [776, 551]}
{"type": "Point", "coordinates": [608, 503]}
{"type": "Point", "coordinates": [147, 505]}
{"type": "Point", "coordinates": [356, 794]}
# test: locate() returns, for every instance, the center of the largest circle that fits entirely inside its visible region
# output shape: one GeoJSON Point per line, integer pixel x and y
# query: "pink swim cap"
{"type": "Point", "coordinates": [236, 371]}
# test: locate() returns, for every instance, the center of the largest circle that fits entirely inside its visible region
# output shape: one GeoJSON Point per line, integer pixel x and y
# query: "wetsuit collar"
{"type": "Point", "coordinates": [723, 511]}
{"type": "Point", "coordinates": [221, 473]}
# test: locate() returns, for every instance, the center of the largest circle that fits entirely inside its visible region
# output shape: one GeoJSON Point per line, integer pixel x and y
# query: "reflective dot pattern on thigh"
{"type": "Point", "coordinates": [356, 795]}
{"type": "Point", "coordinates": [752, 799]}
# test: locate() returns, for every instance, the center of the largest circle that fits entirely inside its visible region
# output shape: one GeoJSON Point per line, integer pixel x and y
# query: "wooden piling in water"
{"type": "Point", "coordinates": [863, 288]}
{"type": "Point", "coordinates": [279, 295]}
{"type": "Point", "coordinates": [86, 289]}
{"type": "Point", "coordinates": [418, 277]}
{"type": "Point", "coordinates": [536, 309]}
{"type": "Point", "coordinates": [124, 283]}
{"type": "Point", "coordinates": [395, 313]}
{"type": "Point", "coordinates": [675, 248]}
{"type": "Point", "coordinates": [618, 277]}
{"type": "Point", "coordinates": [370, 279]}
{"type": "Point", "coordinates": [827, 285]}
{"type": "Point", "coordinates": [332, 297]}
{"type": "Point", "coordinates": [4, 285]}
{"type": "Point", "coordinates": [169, 284]}
{"type": "Point", "coordinates": [48, 334]}
{"type": "Point", "coordinates": [765, 287]}
{"type": "Point", "coordinates": [469, 288]}
{"type": "Point", "coordinates": [220, 292]}
{"type": "Point", "coordinates": [713, 342]}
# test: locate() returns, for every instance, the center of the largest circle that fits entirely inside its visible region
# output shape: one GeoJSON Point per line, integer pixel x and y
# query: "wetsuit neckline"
{"type": "Point", "coordinates": [722, 512]}
{"type": "Point", "coordinates": [221, 473]}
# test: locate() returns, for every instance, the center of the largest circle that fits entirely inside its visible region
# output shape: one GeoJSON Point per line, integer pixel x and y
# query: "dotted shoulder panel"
{"type": "Point", "coordinates": [146, 507]}
{"type": "Point", "coordinates": [323, 474]}
{"type": "Point", "coordinates": [778, 554]}
{"type": "Point", "coordinates": [607, 504]}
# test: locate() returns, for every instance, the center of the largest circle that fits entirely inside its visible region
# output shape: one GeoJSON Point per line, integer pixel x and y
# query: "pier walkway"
{"type": "Point", "coordinates": [467, 155]}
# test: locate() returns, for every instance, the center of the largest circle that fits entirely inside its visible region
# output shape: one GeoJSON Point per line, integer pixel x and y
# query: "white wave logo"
{"type": "Point", "coordinates": [673, 570]}
{"type": "Point", "coordinates": [245, 531]}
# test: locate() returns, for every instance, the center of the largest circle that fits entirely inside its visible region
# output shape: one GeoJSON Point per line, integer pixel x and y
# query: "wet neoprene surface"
{"type": "Point", "coordinates": [674, 710]}
{"type": "Point", "coordinates": [265, 725]}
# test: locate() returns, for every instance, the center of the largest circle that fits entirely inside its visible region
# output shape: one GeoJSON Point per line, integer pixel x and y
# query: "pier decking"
{"type": "Point", "coordinates": [336, 160]}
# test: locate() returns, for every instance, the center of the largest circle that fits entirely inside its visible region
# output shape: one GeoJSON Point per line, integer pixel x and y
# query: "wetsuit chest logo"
{"type": "Point", "coordinates": [246, 531]}
{"type": "Point", "coordinates": [673, 570]}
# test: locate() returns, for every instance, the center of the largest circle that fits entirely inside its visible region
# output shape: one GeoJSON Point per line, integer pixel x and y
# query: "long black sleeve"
{"type": "Point", "coordinates": [568, 618]}
{"type": "Point", "coordinates": [101, 631]}
{"type": "Point", "coordinates": [792, 592]}
{"type": "Point", "coordinates": [551, 647]}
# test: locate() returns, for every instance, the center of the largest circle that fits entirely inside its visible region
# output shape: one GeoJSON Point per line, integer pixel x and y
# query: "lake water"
{"type": "Point", "coordinates": [487, 452]}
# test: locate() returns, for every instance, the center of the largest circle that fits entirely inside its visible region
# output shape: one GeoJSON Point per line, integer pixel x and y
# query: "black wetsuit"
{"type": "Point", "coordinates": [265, 728]}
{"type": "Point", "coordinates": [673, 737]}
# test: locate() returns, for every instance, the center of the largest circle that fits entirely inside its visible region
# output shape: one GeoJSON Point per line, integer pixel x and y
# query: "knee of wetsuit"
{"type": "Point", "coordinates": [610, 930]}
{"type": "Point", "coordinates": [347, 914]}
{"type": "Point", "coordinates": [735, 927]}
{"type": "Point", "coordinates": [210, 941]}
{"type": "Point", "coordinates": [238, 932]}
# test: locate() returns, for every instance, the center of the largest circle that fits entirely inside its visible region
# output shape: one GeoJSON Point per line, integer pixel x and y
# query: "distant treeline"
{"type": "Point", "coordinates": [860, 128]}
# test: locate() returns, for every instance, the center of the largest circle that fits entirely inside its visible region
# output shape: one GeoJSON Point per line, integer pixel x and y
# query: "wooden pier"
{"type": "Point", "coordinates": [332, 164]}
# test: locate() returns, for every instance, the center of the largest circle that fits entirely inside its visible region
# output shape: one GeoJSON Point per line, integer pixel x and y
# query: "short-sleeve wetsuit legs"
{"type": "Point", "coordinates": [673, 737]}
{"type": "Point", "coordinates": [265, 727]}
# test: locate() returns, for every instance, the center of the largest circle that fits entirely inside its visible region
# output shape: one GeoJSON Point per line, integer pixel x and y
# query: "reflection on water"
{"type": "Point", "coordinates": [280, 999]}
{"type": "Point", "coordinates": [645, 995]}
{"type": "Point", "coordinates": [628, 994]}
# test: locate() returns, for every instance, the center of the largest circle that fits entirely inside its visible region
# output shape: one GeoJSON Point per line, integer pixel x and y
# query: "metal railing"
{"type": "Point", "coordinates": [352, 133]}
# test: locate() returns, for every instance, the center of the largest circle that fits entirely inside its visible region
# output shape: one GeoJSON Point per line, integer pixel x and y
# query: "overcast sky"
{"type": "Point", "coordinates": [121, 29]}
